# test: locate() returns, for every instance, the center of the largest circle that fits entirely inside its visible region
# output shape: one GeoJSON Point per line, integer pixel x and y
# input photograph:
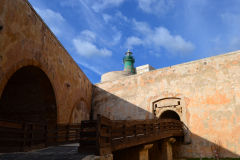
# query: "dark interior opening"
{"type": "Point", "coordinates": [29, 97]}
{"type": "Point", "coordinates": [169, 115]}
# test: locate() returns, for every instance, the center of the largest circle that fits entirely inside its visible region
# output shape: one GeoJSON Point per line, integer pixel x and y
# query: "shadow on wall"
{"type": "Point", "coordinates": [123, 111]}
{"type": "Point", "coordinates": [202, 148]}
{"type": "Point", "coordinates": [198, 148]}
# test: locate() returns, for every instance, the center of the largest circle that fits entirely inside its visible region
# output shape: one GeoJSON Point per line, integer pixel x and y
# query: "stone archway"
{"type": "Point", "coordinates": [29, 97]}
{"type": "Point", "coordinates": [169, 114]}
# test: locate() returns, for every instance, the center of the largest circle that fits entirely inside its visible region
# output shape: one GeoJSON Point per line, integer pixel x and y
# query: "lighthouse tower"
{"type": "Point", "coordinates": [128, 61]}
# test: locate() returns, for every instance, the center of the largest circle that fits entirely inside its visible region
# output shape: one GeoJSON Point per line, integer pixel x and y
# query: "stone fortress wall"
{"type": "Point", "coordinates": [25, 40]}
{"type": "Point", "coordinates": [204, 93]}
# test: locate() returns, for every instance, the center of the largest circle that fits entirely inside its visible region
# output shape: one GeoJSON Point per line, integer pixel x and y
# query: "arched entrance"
{"type": "Point", "coordinates": [28, 98]}
{"type": "Point", "coordinates": [169, 114]}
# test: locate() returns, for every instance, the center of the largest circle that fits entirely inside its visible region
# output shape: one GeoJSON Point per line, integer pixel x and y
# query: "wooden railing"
{"type": "Point", "coordinates": [101, 136]}
{"type": "Point", "coordinates": [16, 136]}
{"type": "Point", "coordinates": [104, 136]}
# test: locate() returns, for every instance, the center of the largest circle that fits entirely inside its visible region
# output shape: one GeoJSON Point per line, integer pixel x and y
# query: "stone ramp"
{"type": "Point", "coordinates": [64, 152]}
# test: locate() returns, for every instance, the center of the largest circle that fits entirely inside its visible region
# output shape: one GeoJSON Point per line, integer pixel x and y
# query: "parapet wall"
{"type": "Point", "coordinates": [110, 76]}
{"type": "Point", "coordinates": [208, 91]}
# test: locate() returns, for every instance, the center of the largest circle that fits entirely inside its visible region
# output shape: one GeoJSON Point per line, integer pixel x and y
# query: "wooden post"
{"type": "Point", "coordinates": [153, 129]}
{"type": "Point", "coordinates": [98, 138]}
{"type": "Point", "coordinates": [143, 152]}
{"type": "Point", "coordinates": [135, 130]}
{"type": "Point", "coordinates": [67, 133]}
{"type": "Point", "coordinates": [124, 131]}
{"type": "Point", "coordinates": [167, 148]}
{"type": "Point", "coordinates": [55, 132]}
{"type": "Point", "coordinates": [46, 135]}
{"type": "Point", "coordinates": [24, 128]}
{"type": "Point", "coordinates": [145, 129]}
{"type": "Point", "coordinates": [103, 139]}
{"type": "Point", "coordinates": [76, 135]}
{"type": "Point", "coordinates": [31, 135]}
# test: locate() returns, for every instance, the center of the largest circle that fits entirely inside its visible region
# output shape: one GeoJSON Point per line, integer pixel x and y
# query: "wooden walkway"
{"type": "Point", "coordinates": [104, 136]}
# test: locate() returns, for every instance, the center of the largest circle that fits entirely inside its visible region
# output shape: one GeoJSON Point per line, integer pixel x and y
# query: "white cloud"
{"type": "Point", "coordinates": [92, 68]}
{"type": "Point", "coordinates": [100, 5]}
{"type": "Point", "coordinates": [117, 37]}
{"type": "Point", "coordinates": [85, 46]}
{"type": "Point", "coordinates": [88, 49]}
{"type": "Point", "coordinates": [142, 27]}
{"type": "Point", "coordinates": [88, 35]}
{"type": "Point", "coordinates": [232, 24]}
{"type": "Point", "coordinates": [158, 37]}
{"type": "Point", "coordinates": [121, 16]}
{"type": "Point", "coordinates": [157, 7]}
{"type": "Point", "coordinates": [235, 43]}
{"type": "Point", "coordinates": [69, 3]}
{"type": "Point", "coordinates": [231, 20]}
{"type": "Point", "coordinates": [53, 19]}
{"type": "Point", "coordinates": [106, 17]}
{"type": "Point", "coordinates": [174, 43]}
{"type": "Point", "coordinates": [132, 41]}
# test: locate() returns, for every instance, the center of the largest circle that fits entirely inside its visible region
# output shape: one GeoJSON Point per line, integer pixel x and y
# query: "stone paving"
{"type": "Point", "coordinates": [64, 152]}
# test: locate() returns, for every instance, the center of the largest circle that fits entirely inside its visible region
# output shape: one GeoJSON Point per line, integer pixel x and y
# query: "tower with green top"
{"type": "Point", "coordinates": [128, 61]}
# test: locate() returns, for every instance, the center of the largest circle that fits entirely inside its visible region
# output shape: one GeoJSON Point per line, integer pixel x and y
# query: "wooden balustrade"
{"type": "Point", "coordinates": [104, 136]}
{"type": "Point", "coordinates": [23, 136]}
{"type": "Point", "coordinates": [101, 136]}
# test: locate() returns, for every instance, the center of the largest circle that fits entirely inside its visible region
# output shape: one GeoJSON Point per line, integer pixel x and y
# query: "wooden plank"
{"type": "Point", "coordinates": [4, 149]}
{"type": "Point", "coordinates": [104, 141]}
{"type": "Point", "coordinates": [117, 129]}
{"type": "Point", "coordinates": [105, 129]}
{"type": "Point", "coordinates": [88, 124]}
{"type": "Point", "coordinates": [84, 142]}
{"type": "Point", "coordinates": [10, 124]}
{"type": "Point", "coordinates": [88, 129]}
{"type": "Point", "coordinates": [9, 139]}
{"type": "Point", "coordinates": [103, 120]}
{"type": "Point", "coordinates": [105, 134]}
{"type": "Point", "coordinates": [116, 134]}
{"type": "Point", "coordinates": [117, 145]}
{"type": "Point", "coordinates": [104, 151]}
{"type": "Point", "coordinates": [88, 138]}
{"type": "Point", "coordinates": [88, 134]}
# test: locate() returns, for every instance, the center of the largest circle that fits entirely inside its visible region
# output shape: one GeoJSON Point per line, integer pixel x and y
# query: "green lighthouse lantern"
{"type": "Point", "coordinates": [128, 61]}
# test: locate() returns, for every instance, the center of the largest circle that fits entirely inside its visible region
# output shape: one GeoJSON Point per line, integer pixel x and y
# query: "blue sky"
{"type": "Point", "coordinates": [97, 33]}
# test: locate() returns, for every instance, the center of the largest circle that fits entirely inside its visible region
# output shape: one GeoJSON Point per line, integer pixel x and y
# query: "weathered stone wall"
{"type": "Point", "coordinates": [114, 75]}
{"type": "Point", "coordinates": [208, 92]}
{"type": "Point", "coordinates": [25, 40]}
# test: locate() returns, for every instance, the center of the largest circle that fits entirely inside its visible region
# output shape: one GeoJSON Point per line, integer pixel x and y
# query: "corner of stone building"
{"type": "Point", "coordinates": [91, 116]}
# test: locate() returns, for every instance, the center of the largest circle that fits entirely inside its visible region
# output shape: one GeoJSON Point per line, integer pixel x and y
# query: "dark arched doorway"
{"type": "Point", "coordinates": [28, 99]}
{"type": "Point", "coordinates": [169, 115]}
